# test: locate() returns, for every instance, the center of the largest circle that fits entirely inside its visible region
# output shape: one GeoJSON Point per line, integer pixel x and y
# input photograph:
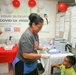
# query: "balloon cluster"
{"type": "Point", "coordinates": [16, 3]}
{"type": "Point", "coordinates": [40, 5]}
{"type": "Point", "coordinates": [9, 6]}
{"type": "Point", "coordinates": [62, 7]}
{"type": "Point", "coordinates": [32, 3]}
{"type": "Point", "coordinates": [7, 2]}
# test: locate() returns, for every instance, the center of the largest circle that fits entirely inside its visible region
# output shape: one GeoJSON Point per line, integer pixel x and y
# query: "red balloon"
{"type": "Point", "coordinates": [31, 3]}
{"type": "Point", "coordinates": [62, 7]}
{"type": "Point", "coordinates": [16, 3]}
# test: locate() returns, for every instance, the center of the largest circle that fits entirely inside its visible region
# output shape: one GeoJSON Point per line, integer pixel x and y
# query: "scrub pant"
{"type": "Point", "coordinates": [19, 68]}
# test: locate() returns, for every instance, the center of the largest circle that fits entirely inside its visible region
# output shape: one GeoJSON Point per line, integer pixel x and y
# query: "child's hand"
{"type": "Point", "coordinates": [56, 65]}
{"type": "Point", "coordinates": [53, 65]}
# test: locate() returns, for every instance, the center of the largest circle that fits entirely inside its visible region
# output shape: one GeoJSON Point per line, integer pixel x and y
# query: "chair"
{"type": "Point", "coordinates": [55, 74]}
{"type": "Point", "coordinates": [75, 64]}
{"type": "Point", "coordinates": [52, 69]}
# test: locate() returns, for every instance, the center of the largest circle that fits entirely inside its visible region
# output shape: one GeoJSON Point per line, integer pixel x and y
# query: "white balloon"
{"type": "Point", "coordinates": [40, 4]}
{"type": "Point", "coordinates": [10, 8]}
{"type": "Point", "coordinates": [7, 2]}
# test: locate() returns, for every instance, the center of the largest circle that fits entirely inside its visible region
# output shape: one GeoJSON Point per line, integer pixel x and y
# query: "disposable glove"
{"type": "Point", "coordinates": [45, 55]}
{"type": "Point", "coordinates": [46, 49]}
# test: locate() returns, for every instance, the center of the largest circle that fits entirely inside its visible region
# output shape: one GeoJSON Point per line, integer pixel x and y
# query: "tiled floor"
{"type": "Point", "coordinates": [7, 74]}
{"type": "Point", "coordinates": [4, 66]}
{"type": "Point", "coordinates": [11, 70]}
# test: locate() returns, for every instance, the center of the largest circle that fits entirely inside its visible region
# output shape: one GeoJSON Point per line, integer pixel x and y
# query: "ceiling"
{"type": "Point", "coordinates": [68, 2]}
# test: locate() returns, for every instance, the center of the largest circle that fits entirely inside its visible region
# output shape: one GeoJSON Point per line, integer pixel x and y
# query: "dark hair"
{"type": "Point", "coordinates": [33, 17]}
{"type": "Point", "coordinates": [10, 37]}
{"type": "Point", "coordinates": [71, 60]}
{"type": "Point", "coordinates": [45, 15]}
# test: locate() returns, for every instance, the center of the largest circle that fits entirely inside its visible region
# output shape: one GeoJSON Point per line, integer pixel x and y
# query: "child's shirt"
{"type": "Point", "coordinates": [69, 71]}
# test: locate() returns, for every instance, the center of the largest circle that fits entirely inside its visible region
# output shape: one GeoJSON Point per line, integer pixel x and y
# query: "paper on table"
{"type": "Point", "coordinates": [53, 50]}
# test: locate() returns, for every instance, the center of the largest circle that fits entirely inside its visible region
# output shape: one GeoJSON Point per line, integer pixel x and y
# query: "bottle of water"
{"type": "Point", "coordinates": [10, 41]}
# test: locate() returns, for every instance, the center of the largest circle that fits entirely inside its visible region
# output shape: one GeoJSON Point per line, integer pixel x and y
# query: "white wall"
{"type": "Point", "coordinates": [51, 34]}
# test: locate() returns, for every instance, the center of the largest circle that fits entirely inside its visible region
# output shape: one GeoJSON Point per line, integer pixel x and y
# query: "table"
{"type": "Point", "coordinates": [54, 59]}
{"type": "Point", "coordinates": [7, 56]}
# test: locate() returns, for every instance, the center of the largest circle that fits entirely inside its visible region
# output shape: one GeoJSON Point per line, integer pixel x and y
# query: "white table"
{"type": "Point", "coordinates": [54, 59]}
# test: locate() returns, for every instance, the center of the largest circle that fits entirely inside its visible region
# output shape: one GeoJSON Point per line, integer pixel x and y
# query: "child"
{"type": "Point", "coordinates": [67, 66]}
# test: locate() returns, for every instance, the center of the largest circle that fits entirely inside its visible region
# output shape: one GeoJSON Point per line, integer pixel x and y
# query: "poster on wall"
{"type": "Point", "coordinates": [16, 19]}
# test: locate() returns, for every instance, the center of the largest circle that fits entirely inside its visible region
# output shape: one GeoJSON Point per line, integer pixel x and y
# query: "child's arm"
{"type": "Point", "coordinates": [56, 65]}
{"type": "Point", "coordinates": [53, 66]}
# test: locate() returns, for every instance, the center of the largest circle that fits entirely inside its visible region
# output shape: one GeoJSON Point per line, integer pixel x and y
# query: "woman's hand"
{"type": "Point", "coordinates": [0, 32]}
{"type": "Point", "coordinates": [31, 56]}
{"type": "Point", "coordinates": [46, 49]}
{"type": "Point", "coordinates": [45, 55]}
